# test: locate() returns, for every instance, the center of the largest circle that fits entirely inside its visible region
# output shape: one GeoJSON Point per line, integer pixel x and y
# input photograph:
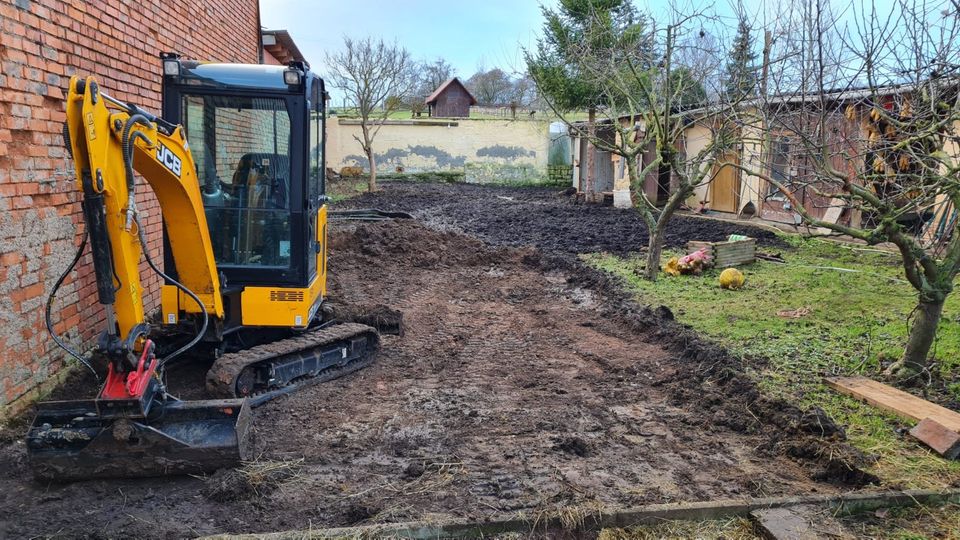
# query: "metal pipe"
{"type": "Point", "coordinates": [111, 320]}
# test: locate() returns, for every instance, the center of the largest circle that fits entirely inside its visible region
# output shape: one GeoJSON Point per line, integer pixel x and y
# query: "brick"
{"type": "Point", "coordinates": [26, 293]}
{"type": "Point", "coordinates": [19, 54]}
{"type": "Point", "coordinates": [942, 440]}
{"type": "Point", "coordinates": [41, 46]}
{"type": "Point", "coordinates": [10, 258]}
{"type": "Point", "coordinates": [22, 111]}
{"type": "Point", "coordinates": [11, 68]}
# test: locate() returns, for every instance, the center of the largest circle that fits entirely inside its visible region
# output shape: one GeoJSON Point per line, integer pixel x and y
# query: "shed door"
{"type": "Point", "coordinates": [603, 172]}
{"type": "Point", "coordinates": [725, 188]}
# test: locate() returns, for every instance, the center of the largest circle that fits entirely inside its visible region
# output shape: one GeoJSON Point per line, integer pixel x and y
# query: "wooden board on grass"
{"type": "Point", "coordinates": [896, 401]}
{"type": "Point", "coordinates": [727, 253]}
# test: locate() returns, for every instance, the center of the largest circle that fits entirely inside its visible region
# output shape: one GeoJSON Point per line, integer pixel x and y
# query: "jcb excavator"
{"type": "Point", "coordinates": [244, 270]}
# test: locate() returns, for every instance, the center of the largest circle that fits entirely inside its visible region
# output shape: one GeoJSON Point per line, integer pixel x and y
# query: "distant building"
{"type": "Point", "coordinates": [451, 100]}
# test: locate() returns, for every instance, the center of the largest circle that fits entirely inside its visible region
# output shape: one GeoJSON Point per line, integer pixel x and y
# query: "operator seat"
{"type": "Point", "coordinates": [261, 180]}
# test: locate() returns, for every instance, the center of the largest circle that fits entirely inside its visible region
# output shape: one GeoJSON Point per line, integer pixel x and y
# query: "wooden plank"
{"type": "Point", "coordinates": [933, 434]}
{"type": "Point", "coordinates": [833, 212]}
{"type": "Point", "coordinates": [896, 401]}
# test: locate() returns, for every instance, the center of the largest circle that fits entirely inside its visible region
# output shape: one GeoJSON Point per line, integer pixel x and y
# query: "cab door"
{"type": "Point", "coordinates": [315, 177]}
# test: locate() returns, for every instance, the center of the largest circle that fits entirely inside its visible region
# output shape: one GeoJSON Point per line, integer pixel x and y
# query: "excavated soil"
{"type": "Point", "coordinates": [547, 218]}
{"type": "Point", "coordinates": [523, 382]}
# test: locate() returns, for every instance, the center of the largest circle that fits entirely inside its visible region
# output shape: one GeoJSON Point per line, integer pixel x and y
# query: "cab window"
{"type": "Point", "coordinates": [241, 150]}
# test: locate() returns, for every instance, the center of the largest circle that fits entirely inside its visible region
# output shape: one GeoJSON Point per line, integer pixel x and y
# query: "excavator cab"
{"type": "Point", "coordinates": [257, 137]}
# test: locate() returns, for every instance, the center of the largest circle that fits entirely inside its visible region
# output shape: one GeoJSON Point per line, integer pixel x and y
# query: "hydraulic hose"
{"type": "Point", "coordinates": [49, 308]}
{"type": "Point", "coordinates": [127, 139]}
{"type": "Point", "coordinates": [177, 284]}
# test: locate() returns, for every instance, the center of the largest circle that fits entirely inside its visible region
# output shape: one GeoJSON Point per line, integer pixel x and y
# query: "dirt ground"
{"type": "Point", "coordinates": [539, 216]}
{"type": "Point", "coordinates": [524, 382]}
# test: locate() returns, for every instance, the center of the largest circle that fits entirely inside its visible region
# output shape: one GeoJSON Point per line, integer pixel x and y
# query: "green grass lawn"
{"type": "Point", "coordinates": [856, 325]}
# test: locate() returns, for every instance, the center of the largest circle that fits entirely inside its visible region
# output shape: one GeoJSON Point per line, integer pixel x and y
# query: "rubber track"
{"type": "Point", "coordinates": [222, 376]}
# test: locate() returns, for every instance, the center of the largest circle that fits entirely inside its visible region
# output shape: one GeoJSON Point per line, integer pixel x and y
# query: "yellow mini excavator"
{"type": "Point", "coordinates": [244, 269]}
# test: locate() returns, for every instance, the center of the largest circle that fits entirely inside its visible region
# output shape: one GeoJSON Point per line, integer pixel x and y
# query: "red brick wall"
{"type": "Point", "coordinates": [43, 43]}
{"type": "Point", "coordinates": [270, 59]}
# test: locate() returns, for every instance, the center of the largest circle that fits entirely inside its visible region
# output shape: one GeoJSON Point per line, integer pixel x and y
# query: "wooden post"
{"type": "Point", "coordinates": [577, 181]}
{"type": "Point", "coordinates": [767, 40]}
{"type": "Point", "coordinates": [591, 151]}
{"type": "Point", "coordinates": [767, 137]}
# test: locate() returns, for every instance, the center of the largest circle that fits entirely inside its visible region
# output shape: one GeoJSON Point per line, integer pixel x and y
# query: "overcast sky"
{"type": "Point", "coordinates": [469, 35]}
{"type": "Point", "coordinates": [466, 34]}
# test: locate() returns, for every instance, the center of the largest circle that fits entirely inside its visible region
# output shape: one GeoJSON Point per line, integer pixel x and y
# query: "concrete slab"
{"type": "Point", "coordinates": [796, 523]}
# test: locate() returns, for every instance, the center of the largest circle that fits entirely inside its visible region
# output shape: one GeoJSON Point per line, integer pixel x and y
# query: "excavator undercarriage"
{"type": "Point", "coordinates": [270, 370]}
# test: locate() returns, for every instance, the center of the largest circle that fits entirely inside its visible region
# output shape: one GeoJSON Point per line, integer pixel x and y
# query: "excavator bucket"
{"type": "Point", "coordinates": [78, 440]}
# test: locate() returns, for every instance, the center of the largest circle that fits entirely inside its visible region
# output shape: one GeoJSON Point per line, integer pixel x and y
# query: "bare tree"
{"type": "Point", "coordinates": [375, 76]}
{"type": "Point", "coordinates": [649, 101]}
{"type": "Point", "coordinates": [874, 143]}
{"type": "Point", "coordinates": [433, 74]}
{"type": "Point", "coordinates": [524, 91]}
{"type": "Point", "coordinates": [493, 87]}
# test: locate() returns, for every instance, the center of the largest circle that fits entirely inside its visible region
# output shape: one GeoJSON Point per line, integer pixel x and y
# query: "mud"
{"type": "Point", "coordinates": [546, 218]}
{"type": "Point", "coordinates": [523, 382]}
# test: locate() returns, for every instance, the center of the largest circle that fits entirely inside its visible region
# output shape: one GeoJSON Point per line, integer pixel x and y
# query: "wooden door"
{"type": "Point", "coordinates": [725, 187]}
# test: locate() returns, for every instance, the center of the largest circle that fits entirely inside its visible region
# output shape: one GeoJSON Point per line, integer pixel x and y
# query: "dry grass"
{"type": "Point", "coordinates": [268, 472]}
{"type": "Point", "coordinates": [728, 529]}
{"type": "Point", "coordinates": [252, 480]}
{"type": "Point", "coordinates": [913, 523]}
{"type": "Point", "coordinates": [436, 474]}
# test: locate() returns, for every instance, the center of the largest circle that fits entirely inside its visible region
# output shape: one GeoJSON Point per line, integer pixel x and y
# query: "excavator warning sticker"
{"type": "Point", "coordinates": [169, 159]}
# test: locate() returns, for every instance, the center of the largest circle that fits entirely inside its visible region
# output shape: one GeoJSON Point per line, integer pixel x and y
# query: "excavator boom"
{"type": "Point", "coordinates": [133, 427]}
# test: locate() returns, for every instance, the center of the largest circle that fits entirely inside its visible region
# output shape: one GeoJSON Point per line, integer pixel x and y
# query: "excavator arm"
{"type": "Point", "coordinates": [134, 428]}
{"type": "Point", "coordinates": [109, 140]}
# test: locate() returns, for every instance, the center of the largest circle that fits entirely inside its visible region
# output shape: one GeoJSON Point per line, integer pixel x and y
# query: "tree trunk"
{"type": "Point", "coordinates": [591, 150]}
{"type": "Point", "coordinates": [922, 334]}
{"type": "Point", "coordinates": [654, 252]}
{"type": "Point", "coordinates": [372, 186]}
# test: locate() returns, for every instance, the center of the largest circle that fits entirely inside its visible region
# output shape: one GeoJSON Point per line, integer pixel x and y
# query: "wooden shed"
{"type": "Point", "coordinates": [451, 100]}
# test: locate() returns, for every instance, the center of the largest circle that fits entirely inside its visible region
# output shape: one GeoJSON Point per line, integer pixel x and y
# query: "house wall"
{"type": "Point", "coordinates": [939, 227]}
{"type": "Point", "coordinates": [486, 150]}
{"type": "Point", "coordinates": [752, 159]}
{"type": "Point", "coordinates": [841, 138]}
{"type": "Point", "coordinates": [697, 137]}
{"type": "Point", "coordinates": [270, 59]}
{"type": "Point", "coordinates": [43, 43]}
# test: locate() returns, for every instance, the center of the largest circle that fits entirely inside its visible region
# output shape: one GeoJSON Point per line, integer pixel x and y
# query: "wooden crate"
{"type": "Point", "coordinates": [728, 253]}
